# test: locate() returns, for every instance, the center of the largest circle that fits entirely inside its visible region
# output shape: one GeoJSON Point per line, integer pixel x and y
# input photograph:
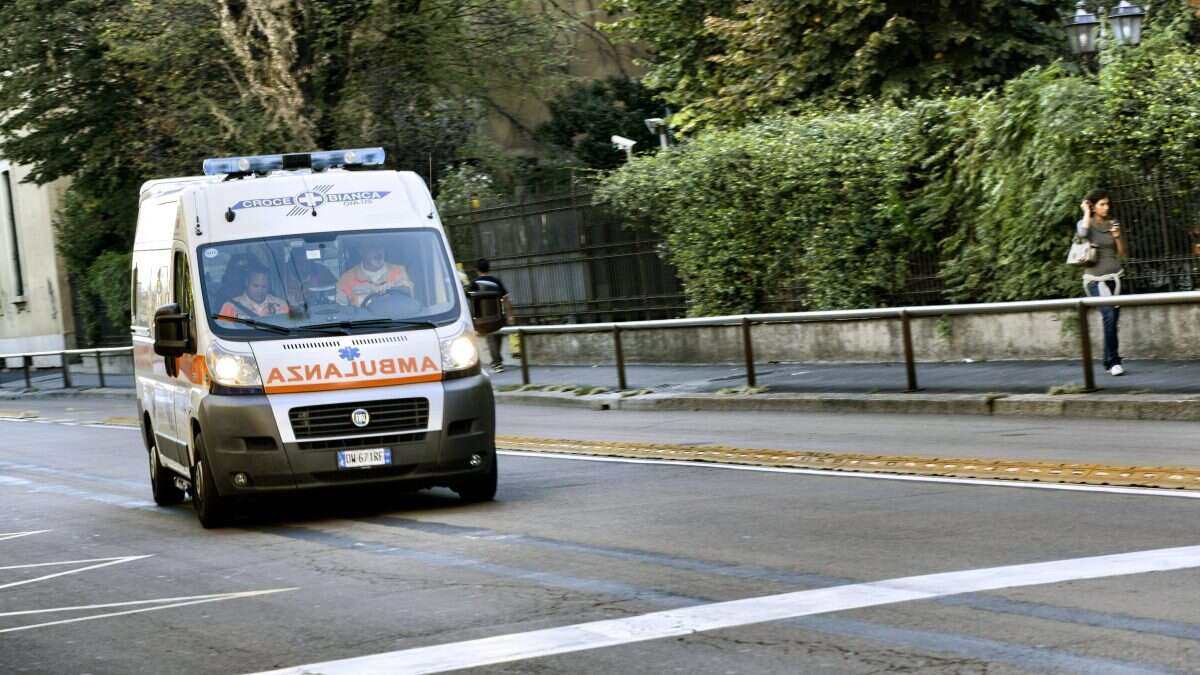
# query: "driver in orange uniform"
{"type": "Point", "coordinates": [373, 275]}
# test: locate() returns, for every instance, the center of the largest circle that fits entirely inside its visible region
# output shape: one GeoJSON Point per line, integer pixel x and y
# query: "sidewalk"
{"type": "Point", "coordinates": [1008, 377]}
{"type": "Point", "coordinates": [1153, 390]}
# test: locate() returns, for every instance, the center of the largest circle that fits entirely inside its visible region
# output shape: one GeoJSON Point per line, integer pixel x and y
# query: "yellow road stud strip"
{"type": "Point", "coordinates": [17, 414]}
{"type": "Point", "coordinates": [958, 467]}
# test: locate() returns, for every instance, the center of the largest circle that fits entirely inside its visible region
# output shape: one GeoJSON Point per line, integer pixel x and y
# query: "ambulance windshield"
{"type": "Point", "coordinates": [329, 282]}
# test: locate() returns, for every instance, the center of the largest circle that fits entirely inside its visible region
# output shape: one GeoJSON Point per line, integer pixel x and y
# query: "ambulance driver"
{"type": "Point", "coordinates": [372, 275]}
{"type": "Point", "coordinates": [256, 301]}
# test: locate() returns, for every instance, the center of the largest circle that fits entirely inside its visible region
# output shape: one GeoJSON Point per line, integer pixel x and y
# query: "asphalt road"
{"type": "Point", "coordinates": [94, 578]}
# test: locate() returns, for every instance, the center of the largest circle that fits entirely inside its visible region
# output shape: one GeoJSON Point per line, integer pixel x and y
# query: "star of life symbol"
{"type": "Point", "coordinates": [349, 353]}
{"type": "Point", "coordinates": [309, 200]}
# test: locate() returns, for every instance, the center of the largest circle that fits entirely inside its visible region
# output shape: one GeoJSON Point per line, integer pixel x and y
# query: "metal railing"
{"type": "Point", "coordinates": [902, 314]}
{"type": "Point", "coordinates": [64, 356]}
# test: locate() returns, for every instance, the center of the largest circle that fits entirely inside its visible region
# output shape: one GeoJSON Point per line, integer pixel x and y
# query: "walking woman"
{"type": "Point", "coordinates": [1104, 278]}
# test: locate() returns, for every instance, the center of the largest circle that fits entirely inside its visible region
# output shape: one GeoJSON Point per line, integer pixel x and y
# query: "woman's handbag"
{"type": "Point", "coordinates": [1083, 253]}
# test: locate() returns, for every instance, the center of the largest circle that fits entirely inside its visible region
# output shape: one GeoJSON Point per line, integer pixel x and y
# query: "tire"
{"type": "Point", "coordinates": [481, 487]}
{"type": "Point", "coordinates": [212, 509]}
{"type": "Point", "coordinates": [162, 481]}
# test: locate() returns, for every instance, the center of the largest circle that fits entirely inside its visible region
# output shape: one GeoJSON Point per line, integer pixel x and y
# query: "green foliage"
{"type": "Point", "coordinates": [1149, 97]}
{"type": "Point", "coordinates": [728, 63]}
{"type": "Point", "coordinates": [1010, 194]}
{"type": "Point", "coordinates": [586, 116]}
{"type": "Point", "coordinates": [673, 31]}
{"type": "Point", "coordinates": [108, 280]}
{"type": "Point", "coordinates": [836, 202]}
{"type": "Point", "coordinates": [812, 200]}
{"type": "Point", "coordinates": [459, 186]}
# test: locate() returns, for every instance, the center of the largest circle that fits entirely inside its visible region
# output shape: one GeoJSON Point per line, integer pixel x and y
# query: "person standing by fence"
{"type": "Point", "coordinates": [495, 340]}
{"type": "Point", "coordinates": [1104, 278]}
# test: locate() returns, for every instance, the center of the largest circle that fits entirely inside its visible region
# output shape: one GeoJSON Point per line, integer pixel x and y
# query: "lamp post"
{"type": "Point", "coordinates": [1126, 19]}
{"type": "Point", "coordinates": [1085, 31]}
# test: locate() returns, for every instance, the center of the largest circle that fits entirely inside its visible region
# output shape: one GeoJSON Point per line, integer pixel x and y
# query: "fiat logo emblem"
{"type": "Point", "coordinates": [360, 417]}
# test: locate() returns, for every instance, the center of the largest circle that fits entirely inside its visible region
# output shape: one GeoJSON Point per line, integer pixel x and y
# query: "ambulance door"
{"type": "Point", "coordinates": [162, 414]}
{"type": "Point", "coordinates": [188, 369]}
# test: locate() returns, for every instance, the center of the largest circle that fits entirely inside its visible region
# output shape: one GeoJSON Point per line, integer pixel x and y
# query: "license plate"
{"type": "Point", "coordinates": [356, 459]}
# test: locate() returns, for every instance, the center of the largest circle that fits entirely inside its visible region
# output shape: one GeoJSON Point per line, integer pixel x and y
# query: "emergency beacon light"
{"type": "Point", "coordinates": [318, 161]}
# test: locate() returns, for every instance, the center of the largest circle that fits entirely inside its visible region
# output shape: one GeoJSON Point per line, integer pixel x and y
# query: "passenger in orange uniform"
{"type": "Point", "coordinates": [373, 275]}
{"type": "Point", "coordinates": [257, 301]}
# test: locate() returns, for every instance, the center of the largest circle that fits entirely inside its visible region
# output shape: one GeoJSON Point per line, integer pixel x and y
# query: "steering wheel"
{"type": "Point", "coordinates": [400, 292]}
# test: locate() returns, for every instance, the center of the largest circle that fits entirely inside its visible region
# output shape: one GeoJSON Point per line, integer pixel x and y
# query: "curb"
{"type": "Point", "coordinates": [1129, 407]}
{"type": "Point", "coordinates": [1106, 406]}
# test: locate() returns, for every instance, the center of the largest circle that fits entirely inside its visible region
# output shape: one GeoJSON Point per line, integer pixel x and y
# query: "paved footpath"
{"type": "Point", "coordinates": [1016, 377]}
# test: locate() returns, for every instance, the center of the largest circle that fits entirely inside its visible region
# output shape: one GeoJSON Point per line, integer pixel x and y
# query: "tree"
{"type": "Point", "coordinates": [680, 47]}
{"type": "Point", "coordinates": [585, 117]}
{"type": "Point", "coordinates": [113, 93]}
{"type": "Point", "coordinates": [766, 56]}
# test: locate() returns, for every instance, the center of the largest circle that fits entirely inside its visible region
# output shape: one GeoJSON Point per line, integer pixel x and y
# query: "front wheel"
{"type": "Point", "coordinates": [212, 509]}
{"type": "Point", "coordinates": [162, 481]}
{"type": "Point", "coordinates": [481, 487]}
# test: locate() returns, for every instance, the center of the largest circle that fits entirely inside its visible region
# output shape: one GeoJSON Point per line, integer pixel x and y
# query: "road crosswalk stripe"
{"type": "Point", "coordinates": [731, 614]}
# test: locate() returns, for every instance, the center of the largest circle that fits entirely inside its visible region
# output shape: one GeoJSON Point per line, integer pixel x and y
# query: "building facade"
{"type": "Point", "coordinates": [35, 296]}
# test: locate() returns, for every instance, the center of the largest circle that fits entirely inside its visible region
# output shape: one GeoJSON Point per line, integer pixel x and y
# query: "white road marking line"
{"type": "Point", "coordinates": [719, 615]}
{"type": "Point", "coordinates": [829, 473]}
{"type": "Point", "coordinates": [106, 562]}
{"type": "Point", "coordinates": [56, 563]}
{"type": "Point", "coordinates": [198, 601]}
{"type": "Point", "coordinates": [5, 536]}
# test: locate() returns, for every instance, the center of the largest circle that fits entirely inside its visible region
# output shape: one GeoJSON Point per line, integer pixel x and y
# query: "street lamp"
{"type": "Point", "coordinates": [1126, 19]}
{"type": "Point", "coordinates": [1083, 30]}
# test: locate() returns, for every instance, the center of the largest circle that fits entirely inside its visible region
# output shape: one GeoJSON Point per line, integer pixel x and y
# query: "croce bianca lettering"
{"type": "Point", "coordinates": [316, 372]}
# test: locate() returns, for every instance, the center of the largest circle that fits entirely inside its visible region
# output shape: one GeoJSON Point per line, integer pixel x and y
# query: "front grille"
{"type": "Point", "coordinates": [404, 414]}
{"type": "Point", "coordinates": [357, 443]}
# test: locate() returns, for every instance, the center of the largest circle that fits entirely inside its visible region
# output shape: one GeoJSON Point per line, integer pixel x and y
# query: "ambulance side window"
{"type": "Point", "coordinates": [182, 291]}
{"type": "Point", "coordinates": [149, 287]}
{"type": "Point", "coordinates": [133, 297]}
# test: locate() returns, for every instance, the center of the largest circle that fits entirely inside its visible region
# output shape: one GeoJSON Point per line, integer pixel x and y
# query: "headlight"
{"type": "Point", "coordinates": [459, 353]}
{"type": "Point", "coordinates": [233, 371]}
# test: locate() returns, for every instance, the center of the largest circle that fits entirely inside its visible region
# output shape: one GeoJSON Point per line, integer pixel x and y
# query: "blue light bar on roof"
{"type": "Point", "coordinates": [319, 161]}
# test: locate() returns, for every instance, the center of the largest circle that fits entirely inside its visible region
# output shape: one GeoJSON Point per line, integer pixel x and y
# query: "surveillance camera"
{"type": "Point", "coordinates": [655, 124]}
{"type": "Point", "coordinates": [623, 143]}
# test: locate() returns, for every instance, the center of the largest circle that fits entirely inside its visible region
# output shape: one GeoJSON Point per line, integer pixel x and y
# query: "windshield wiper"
{"type": "Point", "coordinates": [370, 323]}
{"type": "Point", "coordinates": [274, 328]}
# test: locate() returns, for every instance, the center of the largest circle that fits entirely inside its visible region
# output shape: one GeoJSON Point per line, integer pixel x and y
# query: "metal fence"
{"type": "Point", "coordinates": [1160, 216]}
{"type": "Point", "coordinates": [566, 260]}
{"type": "Point", "coordinates": [903, 315]}
{"type": "Point", "coordinates": [64, 358]}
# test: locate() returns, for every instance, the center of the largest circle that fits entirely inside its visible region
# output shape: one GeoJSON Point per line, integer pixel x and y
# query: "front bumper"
{"type": "Point", "coordinates": [241, 436]}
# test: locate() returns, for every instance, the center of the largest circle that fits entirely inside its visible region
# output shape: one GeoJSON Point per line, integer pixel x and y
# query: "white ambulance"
{"type": "Point", "coordinates": [298, 323]}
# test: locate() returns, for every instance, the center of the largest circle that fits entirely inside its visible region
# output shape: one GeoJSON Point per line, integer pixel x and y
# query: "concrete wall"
{"type": "Point", "coordinates": [1146, 333]}
{"type": "Point", "coordinates": [41, 319]}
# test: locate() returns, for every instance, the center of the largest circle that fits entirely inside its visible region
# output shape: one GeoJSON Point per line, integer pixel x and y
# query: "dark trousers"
{"type": "Point", "coordinates": [1110, 316]}
{"type": "Point", "coordinates": [495, 342]}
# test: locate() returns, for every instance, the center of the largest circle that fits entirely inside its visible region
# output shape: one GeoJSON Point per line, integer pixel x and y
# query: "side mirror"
{"type": "Point", "coordinates": [485, 307]}
{"type": "Point", "coordinates": [172, 334]}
